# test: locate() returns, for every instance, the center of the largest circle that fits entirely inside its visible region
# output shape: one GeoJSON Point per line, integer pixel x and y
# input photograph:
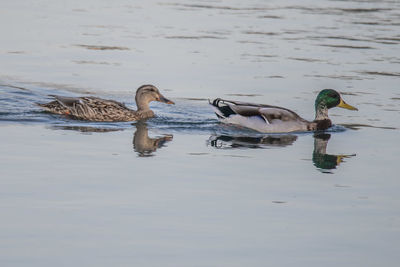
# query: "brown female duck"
{"type": "Point", "coordinates": [98, 109]}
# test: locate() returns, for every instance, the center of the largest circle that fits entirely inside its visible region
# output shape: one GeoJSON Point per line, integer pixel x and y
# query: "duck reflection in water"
{"type": "Point", "coordinates": [323, 161]}
{"type": "Point", "coordinates": [143, 144]}
{"type": "Point", "coordinates": [85, 129]}
{"type": "Point", "coordinates": [226, 141]}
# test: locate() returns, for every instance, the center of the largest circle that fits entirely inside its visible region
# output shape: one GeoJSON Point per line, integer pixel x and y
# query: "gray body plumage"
{"type": "Point", "coordinates": [259, 117]}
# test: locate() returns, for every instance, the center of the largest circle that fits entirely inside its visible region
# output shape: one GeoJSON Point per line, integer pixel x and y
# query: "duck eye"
{"type": "Point", "coordinates": [333, 95]}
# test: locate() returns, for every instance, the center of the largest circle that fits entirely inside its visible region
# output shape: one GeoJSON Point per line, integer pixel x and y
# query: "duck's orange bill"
{"type": "Point", "coordinates": [343, 104]}
{"type": "Point", "coordinates": [165, 100]}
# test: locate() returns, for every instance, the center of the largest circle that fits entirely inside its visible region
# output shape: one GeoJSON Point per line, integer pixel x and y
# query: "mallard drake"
{"type": "Point", "coordinates": [97, 109]}
{"type": "Point", "coordinates": [273, 119]}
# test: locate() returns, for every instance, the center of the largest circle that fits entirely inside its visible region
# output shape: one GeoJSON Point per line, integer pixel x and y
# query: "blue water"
{"type": "Point", "coordinates": [182, 189]}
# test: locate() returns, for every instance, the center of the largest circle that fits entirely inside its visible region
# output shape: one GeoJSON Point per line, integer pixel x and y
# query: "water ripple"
{"type": "Point", "coordinates": [381, 73]}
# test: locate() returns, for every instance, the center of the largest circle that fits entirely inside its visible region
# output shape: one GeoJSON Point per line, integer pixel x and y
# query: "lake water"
{"type": "Point", "coordinates": [181, 189]}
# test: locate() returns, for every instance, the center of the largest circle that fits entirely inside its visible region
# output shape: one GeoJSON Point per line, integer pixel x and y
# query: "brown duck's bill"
{"type": "Point", "coordinates": [343, 104]}
{"type": "Point", "coordinates": [165, 100]}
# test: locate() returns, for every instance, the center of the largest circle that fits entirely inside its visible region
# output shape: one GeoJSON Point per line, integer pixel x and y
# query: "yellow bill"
{"type": "Point", "coordinates": [339, 158]}
{"type": "Point", "coordinates": [343, 104]}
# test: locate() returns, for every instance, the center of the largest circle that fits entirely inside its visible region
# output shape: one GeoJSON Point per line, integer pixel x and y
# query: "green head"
{"type": "Point", "coordinates": [329, 98]}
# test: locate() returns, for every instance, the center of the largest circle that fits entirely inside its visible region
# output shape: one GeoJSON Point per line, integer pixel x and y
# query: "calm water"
{"type": "Point", "coordinates": [181, 189]}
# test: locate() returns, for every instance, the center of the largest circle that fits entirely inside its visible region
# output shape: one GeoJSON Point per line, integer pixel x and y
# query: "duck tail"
{"type": "Point", "coordinates": [221, 109]}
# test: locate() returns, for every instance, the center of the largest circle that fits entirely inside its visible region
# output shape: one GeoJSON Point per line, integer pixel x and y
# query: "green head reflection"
{"type": "Point", "coordinates": [320, 158]}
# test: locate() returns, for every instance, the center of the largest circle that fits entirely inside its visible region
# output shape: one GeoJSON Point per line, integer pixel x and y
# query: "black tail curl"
{"type": "Point", "coordinates": [225, 109]}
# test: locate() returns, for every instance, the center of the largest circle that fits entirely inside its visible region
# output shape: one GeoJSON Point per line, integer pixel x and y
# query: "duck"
{"type": "Point", "coordinates": [274, 119]}
{"type": "Point", "coordinates": [96, 109]}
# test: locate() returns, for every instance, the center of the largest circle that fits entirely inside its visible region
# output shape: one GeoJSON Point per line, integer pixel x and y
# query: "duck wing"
{"type": "Point", "coordinates": [67, 101]}
{"type": "Point", "coordinates": [226, 108]}
{"type": "Point", "coordinates": [96, 102]}
{"type": "Point", "coordinates": [90, 108]}
{"type": "Point", "coordinates": [71, 102]}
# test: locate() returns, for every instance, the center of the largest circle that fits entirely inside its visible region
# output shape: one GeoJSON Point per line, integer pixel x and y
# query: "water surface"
{"type": "Point", "coordinates": [181, 189]}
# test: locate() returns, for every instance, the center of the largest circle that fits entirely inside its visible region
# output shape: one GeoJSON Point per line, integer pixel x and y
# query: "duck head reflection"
{"type": "Point", "coordinates": [143, 144]}
{"type": "Point", "coordinates": [323, 161]}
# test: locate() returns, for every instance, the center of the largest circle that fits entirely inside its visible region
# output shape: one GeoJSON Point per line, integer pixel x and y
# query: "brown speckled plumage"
{"type": "Point", "coordinates": [98, 109]}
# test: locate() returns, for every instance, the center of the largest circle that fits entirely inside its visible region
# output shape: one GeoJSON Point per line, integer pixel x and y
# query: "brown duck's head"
{"type": "Point", "coordinates": [147, 93]}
